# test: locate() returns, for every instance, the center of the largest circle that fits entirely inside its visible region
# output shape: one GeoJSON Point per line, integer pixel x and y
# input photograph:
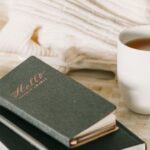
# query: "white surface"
{"type": "Point", "coordinates": [70, 34]}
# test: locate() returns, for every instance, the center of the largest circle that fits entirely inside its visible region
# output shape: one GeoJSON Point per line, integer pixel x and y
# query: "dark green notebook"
{"type": "Point", "coordinates": [56, 104]}
{"type": "Point", "coordinates": [123, 139]}
{"type": "Point", "coordinates": [10, 140]}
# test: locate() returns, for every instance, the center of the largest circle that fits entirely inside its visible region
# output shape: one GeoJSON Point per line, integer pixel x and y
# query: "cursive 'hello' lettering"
{"type": "Point", "coordinates": [24, 88]}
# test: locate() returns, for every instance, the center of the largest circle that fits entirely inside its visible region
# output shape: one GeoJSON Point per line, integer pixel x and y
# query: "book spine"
{"type": "Point", "coordinates": [51, 132]}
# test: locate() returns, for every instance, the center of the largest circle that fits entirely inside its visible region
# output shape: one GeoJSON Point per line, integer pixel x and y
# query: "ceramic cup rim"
{"type": "Point", "coordinates": [129, 30]}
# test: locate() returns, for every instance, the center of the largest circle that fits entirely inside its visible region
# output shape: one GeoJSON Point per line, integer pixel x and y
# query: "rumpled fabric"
{"type": "Point", "coordinates": [77, 37]}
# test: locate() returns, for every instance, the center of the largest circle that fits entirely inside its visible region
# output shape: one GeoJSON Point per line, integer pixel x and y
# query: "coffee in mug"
{"type": "Point", "coordinates": [140, 44]}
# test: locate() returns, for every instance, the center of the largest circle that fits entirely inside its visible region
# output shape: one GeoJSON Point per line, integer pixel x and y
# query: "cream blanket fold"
{"type": "Point", "coordinates": [77, 37]}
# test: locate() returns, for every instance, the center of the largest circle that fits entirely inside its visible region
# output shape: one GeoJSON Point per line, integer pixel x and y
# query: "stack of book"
{"type": "Point", "coordinates": [41, 108]}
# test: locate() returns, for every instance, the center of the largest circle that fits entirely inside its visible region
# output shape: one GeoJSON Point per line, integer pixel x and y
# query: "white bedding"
{"type": "Point", "coordinates": [67, 34]}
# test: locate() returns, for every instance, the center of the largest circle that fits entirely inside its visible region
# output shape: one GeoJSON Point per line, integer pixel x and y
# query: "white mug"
{"type": "Point", "coordinates": [133, 70]}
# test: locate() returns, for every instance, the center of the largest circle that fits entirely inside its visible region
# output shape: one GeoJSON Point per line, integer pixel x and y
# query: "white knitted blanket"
{"type": "Point", "coordinates": [77, 37]}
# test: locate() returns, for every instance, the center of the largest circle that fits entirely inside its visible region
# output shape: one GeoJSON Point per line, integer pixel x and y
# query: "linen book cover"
{"type": "Point", "coordinates": [56, 104]}
{"type": "Point", "coordinates": [122, 139]}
